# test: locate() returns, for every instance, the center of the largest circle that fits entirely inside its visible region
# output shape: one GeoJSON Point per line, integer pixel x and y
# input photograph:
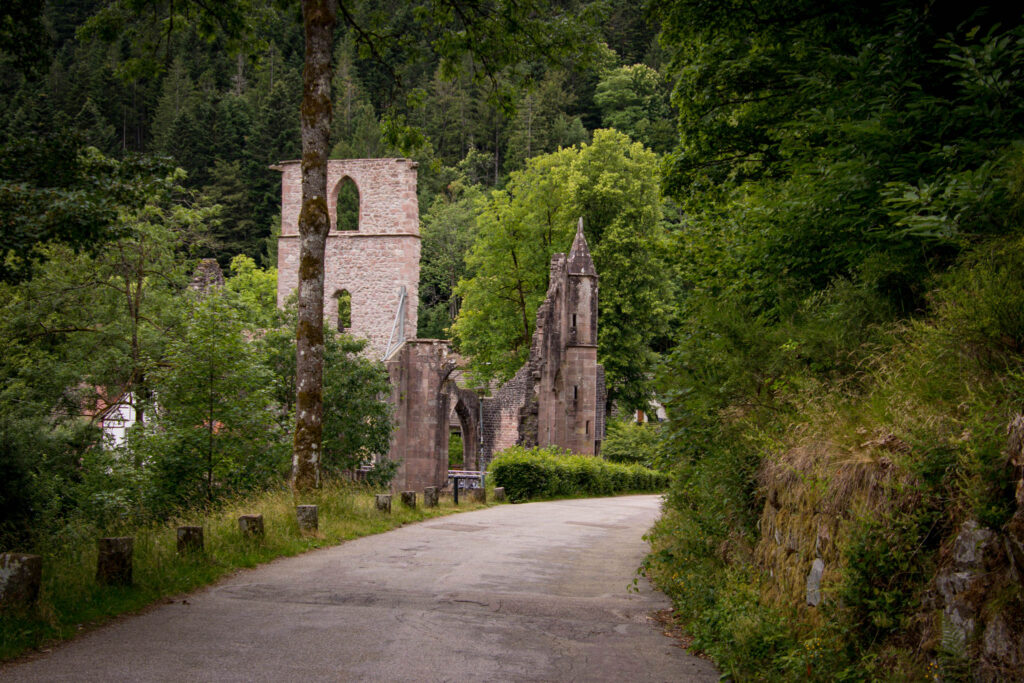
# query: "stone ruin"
{"type": "Point", "coordinates": [556, 398]}
{"type": "Point", "coordinates": [378, 264]}
{"type": "Point", "coordinates": [206, 276]}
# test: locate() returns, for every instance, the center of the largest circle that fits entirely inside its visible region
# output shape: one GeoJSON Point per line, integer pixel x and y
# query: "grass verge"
{"type": "Point", "coordinates": [71, 601]}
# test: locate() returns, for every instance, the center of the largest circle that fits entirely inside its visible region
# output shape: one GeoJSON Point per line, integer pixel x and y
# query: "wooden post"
{"type": "Point", "coordinates": [114, 564]}
{"type": "Point", "coordinates": [20, 576]}
{"type": "Point", "coordinates": [308, 517]}
{"type": "Point", "coordinates": [409, 499]}
{"type": "Point", "coordinates": [384, 502]}
{"type": "Point", "coordinates": [478, 495]}
{"type": "Point", "coordinates": [499, 494]}
{"type": "Point", "coordinates": [190, 539]}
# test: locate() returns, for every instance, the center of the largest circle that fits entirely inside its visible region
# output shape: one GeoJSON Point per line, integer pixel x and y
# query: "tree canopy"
{"type": "Point", "coordinates": [613, 184]}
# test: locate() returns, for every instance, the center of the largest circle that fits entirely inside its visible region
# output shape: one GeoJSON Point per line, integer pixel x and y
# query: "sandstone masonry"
{"type": "Point", "coordinates": [372, 263]}
{"type": "Point", "coordinates": [556, 398]}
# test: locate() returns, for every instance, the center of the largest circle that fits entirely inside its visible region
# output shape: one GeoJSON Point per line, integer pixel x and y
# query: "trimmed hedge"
{"type": "Point", "coordinates": [552, 472]}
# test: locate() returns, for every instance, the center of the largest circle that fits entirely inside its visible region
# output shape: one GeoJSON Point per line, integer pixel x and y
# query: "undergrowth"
{"type": "Point", "coordinates": [873, 468]}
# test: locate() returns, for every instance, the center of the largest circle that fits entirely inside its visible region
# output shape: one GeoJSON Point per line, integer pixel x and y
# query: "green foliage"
{"type": "Point", "coordinates": [448, 231]}
{"type": "Point", "coordinates": [846, 262]}
{"type": "Point", "coordinates": [860, 132]}
{"type": "Point", "coordinates": [542, 124]}
{"type": "Point", "coordinates": [946, 384]}
{"type": "Point", "coordinates": [885, 571]}
{"type": "Point", "coordinates": [87, 328]}
{"type": "Point", "coordinates": [720, 602]}
{"type": "Point", "coordinates": [254, 291]}
{"type": "Point", "coordinates": [357, 421]}
{"type": "Point", "coordinates": [455, 451]}
{"type": "Point", "coordinates": [550, 472]}
{"type": "Point", "coordinates": [631, 442]}
{"type": "Point", "coordinates": [634, 100]}
{"type": "Point", "coordinates": [210, 430]}
{"type": "Point", "coordinates": [74, 201]}
{"type": "Point", "coordinates": [612, 184]}
{"type": "Point", "coordinates": [981, 301]}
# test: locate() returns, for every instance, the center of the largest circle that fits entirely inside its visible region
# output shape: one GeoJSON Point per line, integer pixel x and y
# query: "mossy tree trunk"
{"type": "Point", "coordinates": [318, 18]}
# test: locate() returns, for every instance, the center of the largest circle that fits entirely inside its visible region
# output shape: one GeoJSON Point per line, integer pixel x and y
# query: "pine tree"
{"type": "Point", "coordinates": [177, 90]}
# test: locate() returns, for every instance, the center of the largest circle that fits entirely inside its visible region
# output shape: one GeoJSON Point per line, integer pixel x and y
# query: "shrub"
{"type": "Point", "coordinates": [629, 442]}
{"type": "Point", "coordinates": [550, 472]}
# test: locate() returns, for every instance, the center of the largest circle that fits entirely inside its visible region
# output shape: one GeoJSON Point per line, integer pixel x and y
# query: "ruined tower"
{"type": "Point", "coordinates": [558, 397]}
{"type": "Point", "coordinates": [372, 270]}
{"type": "Point", "coordinates": [569, 379]}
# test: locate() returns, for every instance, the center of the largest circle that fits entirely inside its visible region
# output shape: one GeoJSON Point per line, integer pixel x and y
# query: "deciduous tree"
{"type": "Point", "coordinates": [613, 184]}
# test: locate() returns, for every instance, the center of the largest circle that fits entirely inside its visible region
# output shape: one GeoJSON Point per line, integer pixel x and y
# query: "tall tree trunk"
{"type": "Point", "coordinates": [318, 17]}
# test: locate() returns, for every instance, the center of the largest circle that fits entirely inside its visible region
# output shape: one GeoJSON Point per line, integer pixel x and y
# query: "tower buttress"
{"type": "Point", "coordinates": [582, 293]}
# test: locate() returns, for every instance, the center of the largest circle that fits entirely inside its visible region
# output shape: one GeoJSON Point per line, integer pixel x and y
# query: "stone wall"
{"type": "Point", "coordinates": [418, 372]}
{"type": "Point", "coordinates": [372, 263]}
{"type": "Point", "coordinates": [503, 413]}
{"type": "Point", "coordinates": [816, 498]}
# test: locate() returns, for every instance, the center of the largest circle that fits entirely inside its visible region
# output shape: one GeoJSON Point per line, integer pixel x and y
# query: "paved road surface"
{"type": "Point", "coordinates": [534, 592]}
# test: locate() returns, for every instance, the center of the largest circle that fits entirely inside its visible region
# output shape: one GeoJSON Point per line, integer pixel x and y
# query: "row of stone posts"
{"type": "Point", "coordinates": [431, 495]}
{"type": "Point", "coordinates": [21, 574]}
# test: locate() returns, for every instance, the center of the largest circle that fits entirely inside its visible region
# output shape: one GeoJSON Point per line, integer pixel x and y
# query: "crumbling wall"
{"type": "Point", "coordinates": [557, 398]}
{"type": "Point", "coordinates": [814, 496]}
{"type": "Point", "coordinates": [372, 263]}
{"type": "Point", "coordinates": [505, 412]}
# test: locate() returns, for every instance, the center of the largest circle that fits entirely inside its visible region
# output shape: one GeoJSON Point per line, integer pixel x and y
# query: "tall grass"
{"type": "Point", "coordinates": [70, 599]}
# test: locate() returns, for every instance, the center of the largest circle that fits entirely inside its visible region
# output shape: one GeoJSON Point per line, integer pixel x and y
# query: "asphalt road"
{"type": "Point", "coordinates": [535, 592]}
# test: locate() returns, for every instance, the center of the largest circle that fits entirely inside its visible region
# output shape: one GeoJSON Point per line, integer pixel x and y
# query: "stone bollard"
{"type": "Point", "coordinates": [20, 576]}
{"type": "Point", "coordinates": [430, 497]}
{"type": "Point", "coordinates": [478, 495]}
{"type": "Point", "coordinates": [251, 525]}
{"type": "Point", "coordinates": [409, 499]}
{"type": "Point", "coordinates": [190, 539]}
{"type": "Point", "coordinates": [307, 516]}
{"type": "Point", "coordinates": [384, 502]}
{"type": "Point", "coordinates": [114, 565]}
{"type": "Point", "coordinates": [499, 494]}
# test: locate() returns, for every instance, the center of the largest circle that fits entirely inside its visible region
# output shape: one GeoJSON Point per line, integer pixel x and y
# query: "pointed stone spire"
{"type": "Point", "coordinates": [580, 262]}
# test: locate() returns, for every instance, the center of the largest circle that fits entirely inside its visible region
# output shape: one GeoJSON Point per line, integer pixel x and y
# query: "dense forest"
{"type": "Point", "coordinates": [806, 216]}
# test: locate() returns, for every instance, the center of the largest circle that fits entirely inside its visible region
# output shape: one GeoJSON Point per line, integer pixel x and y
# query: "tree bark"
{"type": "Point", "coordinates": [319, 17]}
